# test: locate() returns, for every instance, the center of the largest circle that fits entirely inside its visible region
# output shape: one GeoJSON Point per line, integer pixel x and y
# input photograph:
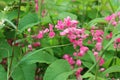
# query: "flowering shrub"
{"type": "Point", "coordinates": [52, 40]}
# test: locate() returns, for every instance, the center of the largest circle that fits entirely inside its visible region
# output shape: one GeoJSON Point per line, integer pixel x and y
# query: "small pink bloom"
{"type": "Point", "coordinates": [40, 35]}
{"type": "Point", "coordinates": [75, 53]}
{"type": "Point", "coordinates": [95, 53]}
{"type": "Point", "coordinates": [98, 46]}
{"type": "Point", "coordinates": [36, 44]}
{"type": "Point", "coordinates": [78, 62]}
{"type": "Point", "coordinates": [109, 36]}
{"type": "Point", "coordinates": [50, 27]}
{"type": "Point", "coordinates": [46, 30]}
{"type": "Point", "coordinates": [83, 50]}
{"type": "Point", "coordinates": [101, 61]}
{"type": "Point", "coordinates": [114, 23]}
{"type": "Point", "coordinates": [66, 56]}
{"type": "Point", "coordinates": [60, 25]}
{"type": "Point", "coordinates": [102, 69]}
{"type": "Point", "coordinates": [67, 21]}
{"type": "Point", "coordinates": [51, 34]}
{"type": "Point", "coordinates": [30, 47]}
{"type": "Point", "coordinates": [78, 72]}
{"type": "Point", "coordinates": [118, 40]}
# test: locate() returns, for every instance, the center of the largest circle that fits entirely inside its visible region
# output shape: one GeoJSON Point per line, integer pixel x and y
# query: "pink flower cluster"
{"type": "Point", "coordinates": [113, 19]}
{"type": "Point", "coordinates": [73, 63]}
{"type": "Point", "coordinates": [74, 34]}
{"type": "Point", "coordinates": [40, 35]}
{"type": "Point", "coordinates": [98, 38]}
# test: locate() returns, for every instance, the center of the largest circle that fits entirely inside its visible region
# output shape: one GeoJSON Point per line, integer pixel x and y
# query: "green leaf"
{"type": "Point", "coordinates": [24, 72]}
{"type": "Point", "coordinates": [38, 56]}
{"type": "Point", "coordinates": [27, 21]}
{"type": "Point", "coordinates": [95, 21]}
{"type": "Point", "coordinates": [112, 69]}
{"type": "Point", "coordinates": [5, 49]}
{"type": "Point", "coordinates": [92, 56]}
{"type": "Point", "coordinates": [66, 14]}
{"type": "Point", "coordinates": [3, 74]}
{"type": "Point", "coordinates": [60, 70]}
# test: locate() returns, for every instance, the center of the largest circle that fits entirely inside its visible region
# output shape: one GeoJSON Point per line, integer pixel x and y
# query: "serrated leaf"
{"type": "Point", "coordinates": [60, 70]}
{"type": "Point", "coordinates": [27, 21]}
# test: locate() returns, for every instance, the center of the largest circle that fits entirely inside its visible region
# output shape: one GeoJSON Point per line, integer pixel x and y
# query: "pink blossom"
{"type": "Point", "coordinates": [83, 50]}
{"type": "Point", "coordinates": [109, 36]}
{"type": "Point", "coordinates": [66, 56]}
{"type": "Point", "coordinates": [108, 18]}
{"type": "Point", "coordinates": [101, 61]}
{"type": "Point", "coordinates": [95, 53]}
{"type": "Point", "coordinates": [98, 46]}
{"type": "Point", "coordinates": [67, 21]}
{"type": "Point", "coordinates": [51, 34]}
{"type": "Point", "coordinates": [51, 27]}
{"type": "Point", "coordinates": [114, 23]}
{"type": "Point", "coordinates": [46, 30]}
{"type": "Point", "coordinates": [36, 44]}
{"type": "Point", "coordinates": [40, 35]}
{"type": "Point", "coordinates": [78, 72]}
{"type": "Point", "coordinates": [102, 69]}
{"type": "Point", "coordinates": [30, 47]}
{"type": "Point", "coordinates": [118, 40]}
{"type": "Point", "coordinates": [78, 62]}
{"type": "Point", "coordinates": [60, 25]}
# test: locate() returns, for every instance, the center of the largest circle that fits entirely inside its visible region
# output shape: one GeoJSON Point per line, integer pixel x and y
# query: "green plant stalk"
{"type": "Point", "coordinates": [11, 61]}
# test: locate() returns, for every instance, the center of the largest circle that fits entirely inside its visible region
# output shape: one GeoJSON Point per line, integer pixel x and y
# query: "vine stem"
{"type": "Point", "coordinates": [11, 61]}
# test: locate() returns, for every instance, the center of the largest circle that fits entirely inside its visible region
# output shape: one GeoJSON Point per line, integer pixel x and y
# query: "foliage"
{"type": "Point", "coordinates": [59, 39]}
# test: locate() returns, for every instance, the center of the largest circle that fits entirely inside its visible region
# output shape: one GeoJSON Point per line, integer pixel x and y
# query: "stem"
{"type": "Point", "coordinates": [96, 72]}
{"type": "Point", "coordinates": [11, 61]}
{"type": "Point", "coordinates": [18, 13]}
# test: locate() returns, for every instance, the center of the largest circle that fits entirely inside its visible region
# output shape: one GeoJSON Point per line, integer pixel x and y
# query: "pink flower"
{"type": "Point", "coordinates": [30, 47]}
{"type": "Point", "coordinates": [78, 62]}
{"type": "Point", "coordinates": [50, 27]}
{"type": "Point", "coordinates": [60, 25]}
{"type": "Point", "coordinates": [78, 72]}
{"type": "Point", "coordinates": [51, 34]}
{"type": "Point", "coordinates": [102, 69]}
{"type": "Point", "coordinates": [46, 30]}
{"type": "Point", "coordinates": [101, 61]}
{"type": "Point", "coordinates": [108, 18]}
{"type": "Point", "coordinates": [83, 50]}
{"type": "Point", "coordinates": [109, 36]}
{"type": "Point", "coordinates": [66, 56]}
{"type": "Point", "coordinates": [67, 21]}
{"type": "Point", "coordinates": [95, 53]}
{"type": "Point", "coordinates": [36, 44]}
{"type": "Point", "coordinates": [98, 46]}
{"type": "Point", "coordinates": [40, 35]}
{"type": "Point", "coordinates": [118, 40]}
{"type": "Point", "coordinates": [114, 23]}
